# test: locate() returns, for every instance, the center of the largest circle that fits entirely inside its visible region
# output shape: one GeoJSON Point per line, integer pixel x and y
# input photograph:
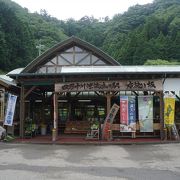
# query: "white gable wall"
{"type": "Point", "coordinates": [172, 84]}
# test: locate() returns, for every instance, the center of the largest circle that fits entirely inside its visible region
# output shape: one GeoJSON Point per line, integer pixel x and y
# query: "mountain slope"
{"type": "Point", "coordinates": [144, 32]}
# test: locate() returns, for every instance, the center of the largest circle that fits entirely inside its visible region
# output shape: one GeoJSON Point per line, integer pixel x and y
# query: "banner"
{"type": "Point", "coordinates": [132, 113]}
{"type": "Point", "coordinates": [2, 91]}
{"type": "Point", "coordinates": [127, 114]}
{"type": "Point", "coordinates": [145, 104]}
{"type": "Point", "coordinates": [125, 85]}
{"type": "Point", "coordinates": [108, 121]}
{"type": "Point", "coordinates": [11, 103]}
{"type": "Point", "coordinates": [124, 110]}
{"type": "Point", "coordinates": [169, 108]}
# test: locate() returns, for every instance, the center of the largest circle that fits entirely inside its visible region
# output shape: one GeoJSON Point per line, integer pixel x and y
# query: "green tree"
{"type": "Point", "coordinates": [160, 62]}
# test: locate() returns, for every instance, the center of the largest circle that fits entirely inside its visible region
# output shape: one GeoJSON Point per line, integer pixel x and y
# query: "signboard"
{"type": "Point", "coordinates": [132, 109]}
{"type": "Point", "coordinates": [169, 108]}
{"type": "Point", "coordinates": [108, 121]}
{"type": "Point", "coordinates": [2, 105]}
{"type": "Point", "coordinates": [145, 108]}
{"type": "Point", "coordinates": [129, 85]}
{"type": "Point", "coordinates": [11, 103]}
{"type": "Point", "coordinates": [124, 110]}
{"type": "Point", "coordinates": [127, 114]}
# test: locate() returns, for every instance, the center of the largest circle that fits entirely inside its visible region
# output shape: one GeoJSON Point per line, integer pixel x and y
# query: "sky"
{"type": "Point", "coordinates": [76, 9]}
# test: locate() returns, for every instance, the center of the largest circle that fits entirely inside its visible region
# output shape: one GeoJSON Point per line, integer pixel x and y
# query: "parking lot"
{"type": "Point", "coordinates": [128, 162]}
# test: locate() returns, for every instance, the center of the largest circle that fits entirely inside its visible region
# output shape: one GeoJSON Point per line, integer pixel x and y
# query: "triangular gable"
{"type": "Point", "coordinates": [71, 52]}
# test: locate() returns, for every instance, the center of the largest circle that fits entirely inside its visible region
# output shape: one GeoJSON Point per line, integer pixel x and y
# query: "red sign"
{"type": "Point", "coordinates": [124, 110]}
{"type": "Point", "coordinates": [108, 121]}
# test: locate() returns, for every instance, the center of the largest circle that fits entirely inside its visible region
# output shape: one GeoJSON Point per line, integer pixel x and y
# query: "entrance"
{"type": "Point", "coordinates": [77, 115]}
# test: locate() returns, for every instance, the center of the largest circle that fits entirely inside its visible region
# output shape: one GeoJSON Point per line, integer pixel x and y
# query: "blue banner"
{"type": "Point", "coordinates": [132, 109]}
{"type": "Point", "coordinates": [11, 104]}
{"type": "Point", "coordinates": [127, 114]}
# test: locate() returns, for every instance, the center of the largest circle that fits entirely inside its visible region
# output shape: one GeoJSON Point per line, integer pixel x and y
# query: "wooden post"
{"type": "Point", "coordinates": [70, 111]}
{"type": "Point", "coordinates": [108, 96]}
{"type": "Point", "coordinates": [42, 117]}
{"type": "Point", "coordinates": [55, 123]}
{"type": "Point", "coordinates": [22, 112]}
{"type": "Point", "coordinates": [161, 115]}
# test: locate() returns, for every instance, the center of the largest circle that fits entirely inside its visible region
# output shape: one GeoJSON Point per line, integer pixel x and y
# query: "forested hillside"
{"type": "Point", "coordinates": [147, 32]}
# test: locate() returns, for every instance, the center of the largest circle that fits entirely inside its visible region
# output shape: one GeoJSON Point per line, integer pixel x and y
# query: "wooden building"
{"type": "Point", "coordinates": [75, 83]}
{"type": "Point", "coordinates": [8, 86]}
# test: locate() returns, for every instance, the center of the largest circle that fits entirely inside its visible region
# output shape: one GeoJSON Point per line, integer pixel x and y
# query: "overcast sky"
{"type": "Point", "coordinates": [65, 9]}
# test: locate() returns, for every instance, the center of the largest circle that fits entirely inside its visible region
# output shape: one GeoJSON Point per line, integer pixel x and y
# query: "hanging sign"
{"type": "Point", "coordinates": [127, 114]}
{"type": "Point", "coordinates": [124, 109]}
{"type": "Point", "coordinates": [145, 108]}
{"type": "Point", "coordinates": [11, 104]}
{"type": "Point", "coordinates": [130, 85]}
{"type": "Point", "coordinates": [169, 108]}
{"type": "Point", "coordinates": [108, 121]}
{"type": "Point", "coordinates": [2, 105]}
{"type": "Point", "coordinates": [132, 113]}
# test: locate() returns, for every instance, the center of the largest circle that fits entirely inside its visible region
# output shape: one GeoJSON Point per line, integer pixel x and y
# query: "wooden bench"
{"type": "Point", "coordinates": [116, 128]}
{"type": "Point", "coordinates": [77, 127]}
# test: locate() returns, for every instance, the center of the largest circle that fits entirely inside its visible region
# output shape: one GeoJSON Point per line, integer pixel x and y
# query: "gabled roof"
{"type": "Point", "coordinates": [166, 71]}
{"type": "Point", "coordinates": [62, 46]}
{"type": "Point", "coordinates": [6, 81]}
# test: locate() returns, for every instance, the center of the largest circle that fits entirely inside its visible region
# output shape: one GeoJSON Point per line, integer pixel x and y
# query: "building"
{"type": "Point", "coordinates": [7, 85]}
{"type": "Point", "coordinates": [74, 83]}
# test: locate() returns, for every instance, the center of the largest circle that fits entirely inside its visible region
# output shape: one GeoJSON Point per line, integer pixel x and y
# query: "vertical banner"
{"type": "Point", "coordinates": [145, 104]}
{"type": "Point", "coordinates": [169, 108]}
{"type": "Point", "coordinates": [127, 114]}
{"type": "Point", "coordinates": [132, 113]}
{"type": "Point", "coordinates": [11, 104]}
{"type": "Point", "coordinates": [124, 110]}
{"type": "Point", "coordinates": [2, 91]}
{"type": "Point", "coordinates": [108, 121]}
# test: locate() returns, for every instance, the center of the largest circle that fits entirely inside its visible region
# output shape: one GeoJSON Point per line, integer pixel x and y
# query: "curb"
{"type": "Point", "coordinates": [93, 143]}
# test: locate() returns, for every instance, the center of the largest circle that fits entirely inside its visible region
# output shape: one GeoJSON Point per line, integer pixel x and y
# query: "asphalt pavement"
{"type": "Point", "coordinates": [91, 162]}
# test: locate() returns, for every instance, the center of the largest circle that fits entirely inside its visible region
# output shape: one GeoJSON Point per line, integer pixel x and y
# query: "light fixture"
{"type": "Point", "coordinates": [61, 100]}
{"type": "Point", "coordinates": [84, 100]}
{"type": "Point", "coordinates": [38, 101]}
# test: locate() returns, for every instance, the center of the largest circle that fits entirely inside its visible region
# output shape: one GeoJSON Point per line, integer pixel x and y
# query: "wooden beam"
{"type": "Point", "coordinates": [97, 93]}
{"type": "Point", "coordinates": [115, 93]}
{"type": "Point", "coordinates": [29, 91]}
{"type": "Point", "coordinates": [175, 95]}
{"type": "Point", "coordinates": [135, 93]}
{"type": "Point", "coordinates": [77, 94]}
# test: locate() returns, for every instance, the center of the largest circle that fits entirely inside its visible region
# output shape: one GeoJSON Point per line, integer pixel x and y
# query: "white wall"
{"type": "Point", "coordinates": [172, 84]}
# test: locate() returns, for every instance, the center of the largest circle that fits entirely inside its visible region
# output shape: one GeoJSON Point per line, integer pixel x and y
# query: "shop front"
{"type": "Point", "coordinates": [71, 88]}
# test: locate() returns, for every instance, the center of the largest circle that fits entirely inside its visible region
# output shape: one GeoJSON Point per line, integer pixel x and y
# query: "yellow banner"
{"type": "Point", "coordinates": [169, 108]}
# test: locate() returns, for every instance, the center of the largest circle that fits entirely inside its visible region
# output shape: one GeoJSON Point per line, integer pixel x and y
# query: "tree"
{"type": "Point", "coordinates": [160, 62]}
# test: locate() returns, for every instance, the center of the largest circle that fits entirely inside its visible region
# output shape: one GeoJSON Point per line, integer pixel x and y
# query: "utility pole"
{"type": "Point", "coordinates": [40, 47]}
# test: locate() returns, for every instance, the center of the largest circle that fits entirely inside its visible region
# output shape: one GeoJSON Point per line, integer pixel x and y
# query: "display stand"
{"type": "Point", "coordinates": [93, 134]}
{"type": "Point", "coordinates": [28, 128]}
{"type": "Point", "coordinates": [175, 132]}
